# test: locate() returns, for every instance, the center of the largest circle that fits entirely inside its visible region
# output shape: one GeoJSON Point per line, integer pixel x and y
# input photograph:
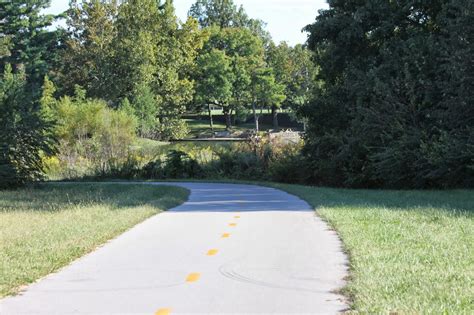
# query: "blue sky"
{"type": "Point", "coordinates": [285, 18]}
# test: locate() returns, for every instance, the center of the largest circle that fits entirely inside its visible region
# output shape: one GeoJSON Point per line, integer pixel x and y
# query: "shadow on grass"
{"type": "Point", "coordinates": [62, 196]}
{"type": "Point", "coordinates": [457, 202]}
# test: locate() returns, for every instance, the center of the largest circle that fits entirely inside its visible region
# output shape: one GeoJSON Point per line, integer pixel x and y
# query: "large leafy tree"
{"type": "Point", "coordinates": [266, 92]}
{"type": "Point", "coordinates": [214, 80]}
{"type": "Point", "coordinates": [135, 53]}
{"type": "Point", "coordinates": [226, 14]}
{"type": "Point", "coordinates": [245, 52]}
{"type": "Point", "coordinates": [395, 107]}
{"type": "Point", "coordinates": [152, 49]}
{"type": "Point", "coordinates": [88, 54]}
{"type": "Point", "coordinates": [294, 69]}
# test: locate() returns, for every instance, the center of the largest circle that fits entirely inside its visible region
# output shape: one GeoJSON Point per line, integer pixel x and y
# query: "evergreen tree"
{"type": "Point", "coordinates": [26, 42]}
{"type": "Point", "coordinates": [25, 134]}
{"type": "Point", "coordinates": [394, 109]}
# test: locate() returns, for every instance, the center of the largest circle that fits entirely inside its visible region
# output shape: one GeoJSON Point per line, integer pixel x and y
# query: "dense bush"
{"type": "Point", "coordinates": [93, 138]}
{"type": "Point", "coordinates": [177, 164]}
{"type": "Point", "coordinates": [258, 160]}
{"type": "Point", "coordinates": [396, 107]}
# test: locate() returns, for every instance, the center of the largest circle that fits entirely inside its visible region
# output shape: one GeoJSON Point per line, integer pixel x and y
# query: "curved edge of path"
{"type": "Point", "coordinates": [231, 248]}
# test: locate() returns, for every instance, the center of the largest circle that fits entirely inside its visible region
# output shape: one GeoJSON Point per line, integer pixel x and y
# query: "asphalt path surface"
{"type": "Point", "coordinates": [230, 249]}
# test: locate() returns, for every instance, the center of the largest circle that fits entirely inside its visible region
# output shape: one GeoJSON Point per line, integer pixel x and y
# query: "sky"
{"type": "Point", "coordinates": [284, 18]}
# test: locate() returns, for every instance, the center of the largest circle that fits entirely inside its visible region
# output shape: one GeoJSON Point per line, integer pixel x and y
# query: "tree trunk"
{"type": "Point", "coordinates": [275, 117]}
{"type": "Point", "coordinates": [228, 121]}
{"type": "Point", "coordinates": [255, 116]}
{"type": "Point", "coordinates": [211, 122]}
{"type": "Point", "coordinates": [233, 114]}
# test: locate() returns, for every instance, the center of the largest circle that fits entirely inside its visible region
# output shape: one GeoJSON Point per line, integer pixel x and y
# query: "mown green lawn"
{"type": "Point", "coordinates": [411, 252]}
{"type": "Point", "coordinates": [201, 128]}
{"type": "Point", "coordinates": [45, 228]}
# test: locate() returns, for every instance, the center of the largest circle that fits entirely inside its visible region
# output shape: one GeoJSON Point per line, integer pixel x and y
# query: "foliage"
{"type": "Point", "coordinates": [266, 92]}
{"type": "Point", "coordinates": [155, 51]}
{"type": "Point", "coordinates": [92, 134]}
{"type": "Point", "coordinates": [25, 132]}
{"type": "Point", "coordinates": [136, 51]}
{"type": "Point", "coordinates": [240, 53]}
{"type": "Point", "coordinates": [225, 14]}
{"type": "Point", "coordinates": [214, 78]}
{"type": "Point", "coordinates": [295, 72]}
{"type": "Point", "coordinates": [395, 108]}
{"type": "Point", "coordinates": [177, 164]}
{"type": "Point", "coordinates": [86, 57]}
{"type": "Point", "coordinates": [260, 159]}
{"type": "Point", "coordinates": [25, 42]}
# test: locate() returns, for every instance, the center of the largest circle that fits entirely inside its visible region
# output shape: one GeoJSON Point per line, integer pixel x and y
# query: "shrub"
{"type": "Point", "coordinates": [260, 159]}
{"type": "Point", "coordinates": [177, 164]}
{"type": "Point", "coordinates": [94, 139]}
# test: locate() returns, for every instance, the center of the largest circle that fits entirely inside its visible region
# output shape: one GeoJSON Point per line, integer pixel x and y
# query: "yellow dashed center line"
{"type": "Point", "coordinates": [193, 277]}
{"type": "Point", "coordinates": [212, 252]}
{"type": "Point", "coordinates": [232, 224]}
{"type": "Point", "coordinates": [237, 217]}
{"type": "Point", "coordinates": [225, 235]}
{"type": "Point", "coordinates": [163, 311]}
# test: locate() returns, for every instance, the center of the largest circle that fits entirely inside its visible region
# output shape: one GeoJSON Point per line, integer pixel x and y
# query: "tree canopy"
{"type": "Point", "coordinates": [395, 105]}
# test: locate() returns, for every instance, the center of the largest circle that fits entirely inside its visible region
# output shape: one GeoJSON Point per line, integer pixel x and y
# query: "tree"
{"type": "Point", "coordinates": [294, 69]}
{"type": "Point", "coordinates": [245, 53]}
{"type": "Point", "coordinates": [214, 80]}
{"type": "Point", "coordinates": [393, 107]}
{"type": "Point", "coordinates": [222, 13]}
{"type": "Point", "coordinates": [266, 92]}
{"type": "Point", "coordinates": [25, 134]}
{"type": "Point", "coordinates": [88, 54]}
{"type": "Point", "coordinates": [153, 49]}
{"type": "Point", "coordinates": [225, 14]}
{"type": "Point", "coordinates": [26, 42]}
{"type": "Point", "coordinates": [144, 107]}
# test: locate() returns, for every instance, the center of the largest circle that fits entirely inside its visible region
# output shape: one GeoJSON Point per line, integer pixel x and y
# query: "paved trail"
{"type": "Point", "coordinates": [231, 249]}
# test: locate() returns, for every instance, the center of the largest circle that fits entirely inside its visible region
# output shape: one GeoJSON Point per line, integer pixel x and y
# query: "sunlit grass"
{"type": "Point", "coordinates": [411, 252]}
{"type": "Point", "coordinates": [45, 228]}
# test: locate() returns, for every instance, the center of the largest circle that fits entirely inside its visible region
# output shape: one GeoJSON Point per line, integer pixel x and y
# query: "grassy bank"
{"type": "Point", "coordinates": [45, 228]}
{"type": "Point", "coordinates": [411, 252]}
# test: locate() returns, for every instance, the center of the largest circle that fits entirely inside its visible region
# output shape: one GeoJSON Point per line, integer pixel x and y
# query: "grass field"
{"type": "Point", "coordinates": [45, 228]}
{"type": "Point", "coordinates": [201, 128]}
{"type": "Point", "coordinates": [411, 252]}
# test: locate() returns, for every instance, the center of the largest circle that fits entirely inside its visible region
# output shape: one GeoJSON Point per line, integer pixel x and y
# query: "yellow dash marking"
{"type": "Point", "coordinates": [225, 235]}
{"type": "Point", "coordinates": [212, 252]}
{"type": "Point", "coordinates": [237, 217]}
{"type": "Point", "coordinates": [193, 277]}
{"type": "Point", "coordinates": [163, 311]}
{"type": "Point", "coordinates": [232, 224]}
